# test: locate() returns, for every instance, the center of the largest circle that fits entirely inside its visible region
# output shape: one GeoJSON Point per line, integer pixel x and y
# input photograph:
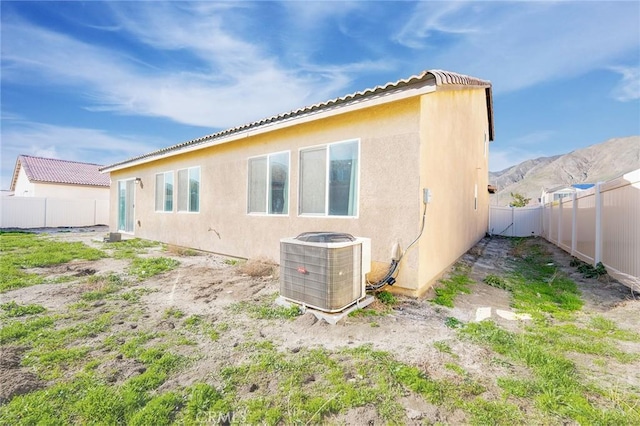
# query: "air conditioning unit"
{"type": "Point", "coordinates": [324, 270]}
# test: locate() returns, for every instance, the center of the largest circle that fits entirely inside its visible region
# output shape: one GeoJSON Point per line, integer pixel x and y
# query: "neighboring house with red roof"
{"type": "Point", "coordinates": [364, 164]}
{"type": "Point", "coordinates": [63, 179]}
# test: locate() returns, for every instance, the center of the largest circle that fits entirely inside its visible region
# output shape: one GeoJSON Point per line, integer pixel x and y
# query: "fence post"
{"type": "Point", "coordinates": [513, 221]}
{"type": "Point", "coordinates": [45, 213]}
{"type": "Point", "coordinates": [574, 224]}
{"type": "Point", "coordinates": [559, 223]}
{"type": "Point", "coordinates": [543, 227]}
{"type": "Point", "coordinates": [542, 220]}
{"type": "Point", "coordinates": [549, 225]}
{"type": "Point", "coordinates": [598, 239]}
{"type": "Point", "coordinates": [548, 221]}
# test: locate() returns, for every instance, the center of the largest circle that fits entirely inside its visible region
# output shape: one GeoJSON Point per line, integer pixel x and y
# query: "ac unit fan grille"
{"type": "Point", "coordinates": [327, 278]}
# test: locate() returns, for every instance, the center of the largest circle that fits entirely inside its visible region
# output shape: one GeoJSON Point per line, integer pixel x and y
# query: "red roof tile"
{"type": "Point", "coordinates": [50, 170]}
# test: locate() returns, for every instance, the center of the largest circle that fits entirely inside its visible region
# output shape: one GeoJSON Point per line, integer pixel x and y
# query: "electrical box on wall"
{"type": "Point", "coordinates": [426, 195]}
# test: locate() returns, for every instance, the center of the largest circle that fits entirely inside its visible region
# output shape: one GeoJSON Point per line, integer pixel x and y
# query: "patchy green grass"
{"type": "Point", "coordinates": [130, 249]}
{"type": "Point", "coordinates": [20, 251]}
{"type": "Point", "coordinates": [266, 309]}
{"type": "Point", "coordinates": [387, 301]}
{"type": "Point", "coordinates": [52, 364]}
{"type": "Point", "coordinates": [100, 286]}
{"type": "Point", "coordinates": [445, 349]}
{"type": "Point", "coordinates": [539, 287]}
{"type": "Point", "coordinates": [199, 325]}
{"type": "Point", "coordinates": [87, 399]}
{"type": "Point", "coordinates": [133, 295]}
{"type": "Point", "coordinates": [556, 387]}
{"type": "Point", "coordinates": [77, 393]}
{"type": "Point", "coordinates": [21, 330]}
{"type": "Point", "coordinates": [387, 298]}
{"type": "Point", "coordinates": [148, 267]}
{"type": "Point", "coordinates": [51, 346]}
{"type": "Point", "coordinates": [367, 312]}
{"type": "Point", "coordinates": [12, 309]}
{"type": "Point", "coordinates": [447, 289]}
{"type": "Point", "coordinates": [496, 281]}
{"type": "Point", "coordinates": [453, 322]}
{"type": "Point", "coordinates": [173, 313]}
{"type": "Point", "coordinates": [77, 351]}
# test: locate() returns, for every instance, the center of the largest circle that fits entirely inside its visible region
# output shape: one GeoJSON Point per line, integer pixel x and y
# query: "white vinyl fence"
{"type": "Point", "coordinates": [35, 212]}
{"type": "Point", "coordinates": [515, 221]}
{"type": "Point", "coordinates": [601, 224]}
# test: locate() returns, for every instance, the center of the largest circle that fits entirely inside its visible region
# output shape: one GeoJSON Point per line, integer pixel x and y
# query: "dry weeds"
{"type": "Point", "coordinates": [258, 268]}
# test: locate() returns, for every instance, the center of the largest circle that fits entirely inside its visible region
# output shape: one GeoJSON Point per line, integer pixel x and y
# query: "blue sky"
{"type": "Point", "coordinates": [104, 81]}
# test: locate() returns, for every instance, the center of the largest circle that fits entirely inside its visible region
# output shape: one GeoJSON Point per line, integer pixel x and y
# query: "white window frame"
{"type": "Point", "coordinates": [328, 146]}
{"type": "Point", "coordinates": [188, 210]}
{"type": "Point", "coordinates": [163, 202]}
{"type": "Point", "coordinates": [268, 195]}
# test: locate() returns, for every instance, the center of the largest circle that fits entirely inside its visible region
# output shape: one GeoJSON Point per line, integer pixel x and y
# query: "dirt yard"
{"type": "Point", "coordinates": [215, 288]}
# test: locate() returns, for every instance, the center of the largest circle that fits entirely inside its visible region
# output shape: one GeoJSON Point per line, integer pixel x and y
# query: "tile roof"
{"type": "Point", "coordinates": [439, 77]}
{"type": "Point", "coordinates": [50, 170]}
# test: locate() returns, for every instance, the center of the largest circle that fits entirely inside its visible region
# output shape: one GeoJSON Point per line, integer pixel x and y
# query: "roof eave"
{"type": "Point", "coordinates": [426, 82]}
{"type": "Point", "coordinates": [48, 182]}
{"type": "Point", "coordinates": [16, 172]}
{"type": "Point", "coordinates": [270, 124]}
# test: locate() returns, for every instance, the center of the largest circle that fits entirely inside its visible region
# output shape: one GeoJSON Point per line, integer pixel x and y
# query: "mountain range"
{"type": "Point", "coordinates": [595, 163]}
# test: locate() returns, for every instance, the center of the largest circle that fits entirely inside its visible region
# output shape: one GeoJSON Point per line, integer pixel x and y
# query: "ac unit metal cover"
{"type": "Point", "coordinates": [328, 276]}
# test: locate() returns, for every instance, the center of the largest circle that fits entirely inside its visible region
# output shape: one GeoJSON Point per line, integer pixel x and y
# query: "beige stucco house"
{"type": "Point", "coordinates": [357, 164]}
{"type": "Point", "coordinates": [54, 178]}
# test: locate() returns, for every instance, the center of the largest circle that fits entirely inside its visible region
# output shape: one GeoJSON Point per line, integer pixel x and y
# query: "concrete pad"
{"type": "Point", "coordinates": [331, 318]}
{"type": "Point", "coordinates": [512, 316]}
{"type": "Point", "coordinates": [482, 314]}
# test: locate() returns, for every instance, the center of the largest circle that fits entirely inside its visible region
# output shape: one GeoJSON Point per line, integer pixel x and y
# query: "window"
{"type": "Point", "coordinates": [269, 184]}
{"type": "Point", "coordinates": [329, 179]}
{"type": "Point", "coordinates": [164, 192]}
{"type": "Point", "coordinates": [189, 190]}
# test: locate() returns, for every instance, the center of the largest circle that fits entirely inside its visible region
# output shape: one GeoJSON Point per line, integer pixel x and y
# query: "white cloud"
{"type": "Point", "coordinates": [503, 158]}
{"type": "Point", "coordinates": [43, 151]}
{"type": "Point", "coordinates": [430, 18]}
{"type": "Point", "coordinates": [68, 143]}
{"type": "Point", "coordinates": [628, 89]}
{"type": "Point", "coordinates": [521, 44]}
{"type": "Point", "coordinates": [231, 81]}
{"type": "Point", "coordinates": [204, 30]}
{"type": "Point", "coordinates": [521, 148]}
{"type": "Point", "coordinates": [310, 15]}
{"type": "Point", "coordinates": [500, 159]}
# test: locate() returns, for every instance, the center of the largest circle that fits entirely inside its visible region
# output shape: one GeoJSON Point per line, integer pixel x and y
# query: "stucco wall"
{"type": "Point", "coordinates": [405, 146]}
{"type": "Point", "coordinates": [23, 188]}
{"type": "Point", "coordinates": [388, 183]}
{"type": "Point", "coordinates": [73, 192]}
{"type": "Point", "coordinates": [454, 130]}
